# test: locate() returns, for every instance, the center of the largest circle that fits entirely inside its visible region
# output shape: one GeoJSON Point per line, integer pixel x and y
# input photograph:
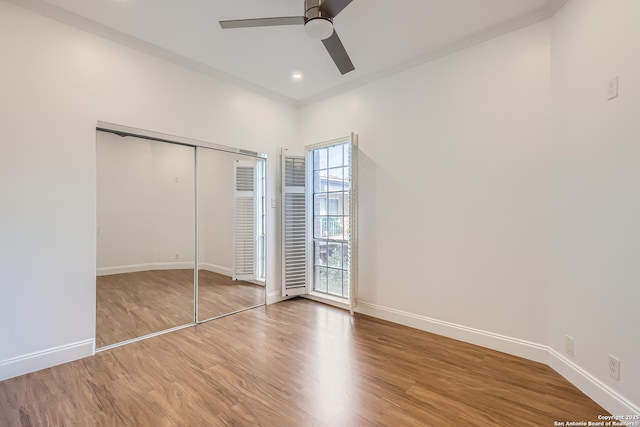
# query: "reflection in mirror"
{"type": "Point", "coordinates": [231, 225]}
{"type": "Point", "coordinates": [146, 222]}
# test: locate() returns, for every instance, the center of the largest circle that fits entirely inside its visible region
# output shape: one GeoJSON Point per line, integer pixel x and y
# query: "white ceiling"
{"type": "Point", "coordinates": [381, 36]}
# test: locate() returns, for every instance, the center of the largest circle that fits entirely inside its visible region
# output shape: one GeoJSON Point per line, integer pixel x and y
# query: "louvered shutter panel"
{"type": "Point", "coordinates": [244, 221]}
{"type": "Point", "coordinates": [294, 225]}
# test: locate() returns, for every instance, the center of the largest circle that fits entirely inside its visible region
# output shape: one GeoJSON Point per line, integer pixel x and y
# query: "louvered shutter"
{"type": "Point", "coordinates": [294, 225]}
{"type": "Point", "coordinates": [244, 221]}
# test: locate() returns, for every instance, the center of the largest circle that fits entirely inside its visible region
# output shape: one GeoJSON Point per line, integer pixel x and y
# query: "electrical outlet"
{"type": "Point", "coordinates": [569, 345]}
{"type": "Point", "coordinates": [612, 87]}
{"type": "Point", "coordinates": [177, 257]}
{"type": "Point", "coordinates": [614, 367]}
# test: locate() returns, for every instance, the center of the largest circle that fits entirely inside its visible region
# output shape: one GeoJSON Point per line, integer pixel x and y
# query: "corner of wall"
{"type": "Point", "coordinates": [275, 297]}
{"type": "Point", "coordinates": [606, 397]}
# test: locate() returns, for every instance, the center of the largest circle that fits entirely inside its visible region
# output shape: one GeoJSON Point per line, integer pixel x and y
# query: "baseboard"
{"type": "Point", "coordinates": [45, 359]}
{"type": "Point", "coordinates": [275, 297]}
{"type": "Point", "coordinates": [215, 268]}
{"type": "Point", "coordinates": [182, 265]}
{"type": "Point", "coordinates": [599, 392]}
{"type": "Point", "coordinates": [505, 344]}
{"type": "Point", "coordinates": [135, 268]}
{"type": "Point", "coordinates": [172, 265]}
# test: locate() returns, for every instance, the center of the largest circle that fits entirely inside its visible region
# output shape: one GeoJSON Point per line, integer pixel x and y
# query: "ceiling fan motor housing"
{"type": "Point", "coordinates": [312, 10]}
{"type": "Point", "coordinates": [318, 24]}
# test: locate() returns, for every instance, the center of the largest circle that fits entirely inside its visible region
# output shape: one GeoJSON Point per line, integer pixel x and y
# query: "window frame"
{"type": "Point", "coordinates": [324, 190]}
{"type": "Point", "coordinates": [349, 302]}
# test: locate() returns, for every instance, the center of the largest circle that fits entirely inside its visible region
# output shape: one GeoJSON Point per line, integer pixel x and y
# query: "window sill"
{"type": "Point", "coordinates": [329, 300]}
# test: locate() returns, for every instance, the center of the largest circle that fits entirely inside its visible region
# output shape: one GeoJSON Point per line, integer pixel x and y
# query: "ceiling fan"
{"type": "Point", "coordinates": [318, 24]}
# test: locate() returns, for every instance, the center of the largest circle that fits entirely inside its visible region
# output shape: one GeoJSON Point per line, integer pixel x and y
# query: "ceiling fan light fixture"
{"type": "Point", "coordinates": [319, 28]}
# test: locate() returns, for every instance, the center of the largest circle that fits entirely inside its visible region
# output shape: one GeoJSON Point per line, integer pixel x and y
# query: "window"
{"type": "Point", "coordinates": [331, 171]}
{"type": "Point", "coordinates": [318, 221]}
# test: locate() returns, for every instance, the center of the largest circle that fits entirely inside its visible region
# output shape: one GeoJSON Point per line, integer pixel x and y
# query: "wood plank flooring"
{"type": "Point", "coordinates": [131, 305]}
{"type": "Point", "coordinates": [219, 295]}
{"type": "Point", "coordinates": [296, 363]}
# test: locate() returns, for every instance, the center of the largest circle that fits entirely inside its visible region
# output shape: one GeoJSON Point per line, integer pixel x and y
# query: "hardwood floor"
{"type": "Point", "coordinates": [219, 295]}
{"type": "Point", "coordinates": [296, 363]}
{"type": "Point", "coordinates": [131, 305]}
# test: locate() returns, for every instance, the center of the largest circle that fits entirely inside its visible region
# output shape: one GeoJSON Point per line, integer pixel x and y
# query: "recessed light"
{"type": "Point", "coordinates": [296, 76]}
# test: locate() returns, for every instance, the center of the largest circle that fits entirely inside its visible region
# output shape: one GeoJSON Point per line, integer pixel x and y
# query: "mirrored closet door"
{"type": "Point", "coordinates": [230, 233]}
{"type": "Point", "coordinates": [162, 263]}
{"type": "Point", "coordinates": [146, 244]}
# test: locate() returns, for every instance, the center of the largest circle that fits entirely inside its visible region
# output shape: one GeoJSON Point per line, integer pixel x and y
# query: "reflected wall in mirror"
{"type": "Point", "coordinates": [146, 239]}
{"type": "Point", "coordinates": [231, 221]}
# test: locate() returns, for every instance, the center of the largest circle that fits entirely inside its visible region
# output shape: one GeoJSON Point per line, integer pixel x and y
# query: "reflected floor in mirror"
{"type": "Point", "coordinates": [131, 305]}
{"type": "Point", "coordinates": [219, 295]}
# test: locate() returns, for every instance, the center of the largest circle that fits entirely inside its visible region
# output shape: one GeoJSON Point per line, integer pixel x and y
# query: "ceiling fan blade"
{"type": "Point", "coordinates": [338, 53]}
{"type": "Point", "coordinates": [334, 7]}
{"type": "Point", "coordinates": [263, 22]}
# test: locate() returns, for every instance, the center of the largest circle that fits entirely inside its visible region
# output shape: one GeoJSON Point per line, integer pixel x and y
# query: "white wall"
{"type": "Point", "coordinates": [594, 273]}
{"type": "Point", "coordinates": [124, 201]}
{"type": "Point", "coordinates": [497, 194]}
{"type": "Point", "coordinates": [56, 83]}
{"type": "Point", "coordinates": [174, 203]}
{"type": "Point", "coordinates": [451, 180]}
{"type": "Point", "coordinates": [145, 204]}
